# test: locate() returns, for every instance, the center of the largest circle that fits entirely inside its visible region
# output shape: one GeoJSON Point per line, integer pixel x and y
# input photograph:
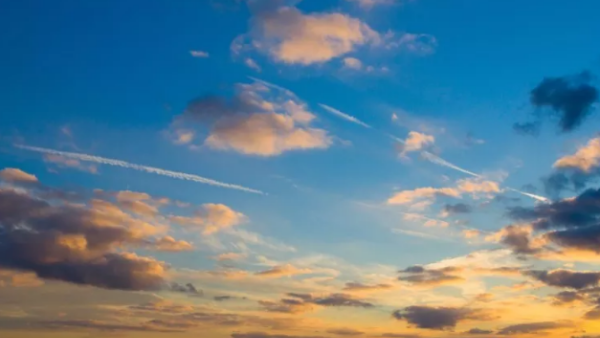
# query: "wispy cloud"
{"type": "Point", "coordinates": [344, 115]}
{"type": "Point", "coordinates": [152, 170]}
{"type": "Point", "coordinates": [199, 54]}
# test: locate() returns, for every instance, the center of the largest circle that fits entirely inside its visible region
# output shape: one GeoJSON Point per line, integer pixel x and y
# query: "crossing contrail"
{"type": "Point", "coordinates": [139, 167]}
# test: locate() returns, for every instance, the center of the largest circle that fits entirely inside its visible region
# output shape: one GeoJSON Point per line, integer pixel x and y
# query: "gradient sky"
{"type": "Point", "coordinates": [299, 169]}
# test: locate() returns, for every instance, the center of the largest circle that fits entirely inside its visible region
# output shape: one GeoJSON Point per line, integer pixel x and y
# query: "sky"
{"type": "Point", "coordinates": [299, 169]}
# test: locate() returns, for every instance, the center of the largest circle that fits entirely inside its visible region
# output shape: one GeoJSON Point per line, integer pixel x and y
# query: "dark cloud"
{"type": "Point", "coordinates": [418, 275]}
{"type": "Point", "coordinates": [569, 97]}
{"type": "Point", "coordinates": [345, 332]}
{"type": "Point", "coordinates": [479, 331]}
{"type": "Point", "coordinates": [587, 238]}
{"type": "Point", "coordinates": [301, 302]}
{"type": "Point", "coordinates": [266, 335]}
{"type": "Point", "coordinates": [73, 243]}
{"type": "Point", "coordinates": [188, 288]}
{"type": "Point", "coordinates": [365, 287]}
{"type": "Point", "coordinates": [458, 208]}
{"type": "Point", "coordinates": [567, 297]}
{"type": "Point", "coordinates": [565, 278]}
{"type": "Point", "coordinates": [399, 335]}
{"type": "Point", "coordinates": [532, 327]}
{"type": "Point", "coordinates": [222, 298]}
{"type": "Point", "coordinates": [101, 326]}
{"type": "Point", "coordinates": [518, 240]}
{"type": "Point", "coordinates": [438, 318]}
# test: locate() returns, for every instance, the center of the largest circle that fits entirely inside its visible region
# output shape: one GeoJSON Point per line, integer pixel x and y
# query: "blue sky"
{"type": "Point", "coordinates": [233, 91]}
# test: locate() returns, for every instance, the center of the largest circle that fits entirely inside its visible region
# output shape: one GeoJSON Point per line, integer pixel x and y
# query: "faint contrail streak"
{"type": "Point", "coordinates": [123, 164]}
{"type": "Point", "coordinates": [537, 197]}
{"type": "Point", "coordinates": [344, 115]}
{"type": "Point", "coordinates": [440, 161]}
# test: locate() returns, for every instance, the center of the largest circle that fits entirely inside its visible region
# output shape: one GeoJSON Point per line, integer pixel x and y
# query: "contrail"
{"type": "Point", "coordinates": [440, 161]}
{"type": "Point", "coordinates": [537, 197]}
{"type": "Point", "coordinates": [123, 164]}
{"type": "Point", "coordinates": [272, 85]}
{"type": "Point", "coordinates": [344, 115]}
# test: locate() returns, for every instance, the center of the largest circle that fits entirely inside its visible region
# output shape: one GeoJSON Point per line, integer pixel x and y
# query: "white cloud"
{"type": "Point", "coordinates": [352, 63]}
{"type": "Point", "coordinates": [199, 54]}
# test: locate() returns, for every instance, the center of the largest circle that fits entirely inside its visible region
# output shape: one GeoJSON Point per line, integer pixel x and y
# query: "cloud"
{"type": "Point", "coordinates": [479, 331]}
{"type": "Point", "coordinates": [474, 186]}
{"type": "Point", "coordinates": [199, 54]}
{"type": "Point", "coordinates": [188, 288]}
{"type": "Point", "coordinates": [230, 256]}
{"type": "Point", "coordinates": [585, 159]}
{"type": "Point", "coordinates": [152, 170]}
{"type": "Point", "coordinates": [344, 116]}
{"type": "Point", "coordinates": [65, 162]}
{"type": "Point", "coordinates": [422, 44]}
{"type": "Point", "coordinates": [571, 98]}
{"type": "Point", "coordinates": [83, 241]}
{"type": "Point", "coordinates": [289, 36]}
{"type": "Point", "coordinates": [438, 318]}
{"type": "Point", "coordinates": [359, 287]}
{"type": "Point", "coordinates": [286, 270]}
{"type": "Point", "coordinates": [211, 218]}
{"type": "Point", "coordinates": [302, 302]}
{"type": "Point", "coordinates": [567, 297]}
{"type": "Point", "coordinates": [250, 63]}
{"type": "Point", "coordinates": [266, 134]}
{"type": "Point", "coordinates": [17, 175]}
{"type": "Point", "coordinates": [352, 63]}
{"type": "Point", "coordinates": [566, 278]}
{"type": "Point", "coordinates": [528, 328]}
{"type": "Point", "coordinates": [416, 142]}
{"type": "Point", "coordinates": [458, 208]}
{"type": "Point", "coordinates": [261, 120]}
{"type": "Point", "coordinates": [345, 332]}
{"type": "Point", "coordinates": [368, 4]}
{"type": "Point", "coordinates": [420, 276]}
{"type": "Point", "coordinates": [170, 244]}
{"type": "Point", "coordinates": [266, 335]}
{"type": "Point", "coordinates": [517, 238]}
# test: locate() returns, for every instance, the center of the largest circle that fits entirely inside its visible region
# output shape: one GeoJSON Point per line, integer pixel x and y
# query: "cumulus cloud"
{"type": "Point", "coordinates": [259, 120]}
{"type": "Point", "coordinates": [576, 170]}
{"type": "Point", "coordinates": [17, 175]}
{"type": "Point", "coordinates": [438, 318]}
{"type": "Point", "coordinates": [585, 159]}
{"type": "Point", "coordinates": [289, 36]}
{"type": "Point", "coordinates": [570, 98]}
{"type": "Point", "coordinates": [415, 142]}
